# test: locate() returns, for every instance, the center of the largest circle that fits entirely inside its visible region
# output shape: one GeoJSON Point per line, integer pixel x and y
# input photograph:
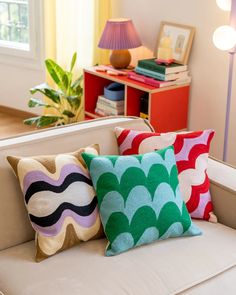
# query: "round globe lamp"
{"type": "Point", "coordinates": [224, 4]}
{"type": "Point", "coordinates": [224, 37]}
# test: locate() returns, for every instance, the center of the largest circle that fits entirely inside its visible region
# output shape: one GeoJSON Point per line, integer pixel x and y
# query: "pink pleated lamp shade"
{"type": "Point", "coordinates": [119, 34]}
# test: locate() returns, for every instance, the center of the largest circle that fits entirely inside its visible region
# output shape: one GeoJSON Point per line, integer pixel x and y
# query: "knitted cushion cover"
{"type": "Point", "coordinates": [60, 200]}
{"type": "Point", "coordinates": [191, 152]}
{"type": "Point", "coordinates": [139, 199]}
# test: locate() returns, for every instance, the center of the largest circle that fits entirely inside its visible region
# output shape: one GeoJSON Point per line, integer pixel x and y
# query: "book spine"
{"type": "Point", "coordinates": [103, 112]}
{"type": "Point", "coordinates": [180, 75]}
{"type": "Point", "coordinates": [176, 69]}
{"type": "Point", "coordinates": [143, 79]}
{"type": "Point", "coordinates": [109, 102]}
{"type": "Point", "coordinates": [107, 108]}
{"type": "Point", "coordinates": [100, 112]}
{"type": "Point", "coordinates": [175, 82]}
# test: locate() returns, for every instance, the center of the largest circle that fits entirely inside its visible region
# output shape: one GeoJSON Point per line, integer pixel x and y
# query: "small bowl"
{"type": "Point", "coordinates": [114, 91]}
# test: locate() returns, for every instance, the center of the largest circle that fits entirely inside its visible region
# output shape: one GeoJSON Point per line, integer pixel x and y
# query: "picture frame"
{"type": "Point", "coordinates": [181, 40]}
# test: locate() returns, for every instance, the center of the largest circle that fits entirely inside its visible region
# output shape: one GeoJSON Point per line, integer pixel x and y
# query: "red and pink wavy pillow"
{"type": "Point", "coordinates": [191, 152]}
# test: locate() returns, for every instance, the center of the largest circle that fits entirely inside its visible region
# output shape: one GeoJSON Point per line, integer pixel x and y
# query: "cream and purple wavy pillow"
{"type": "Point", "coordinates": [60, 199]}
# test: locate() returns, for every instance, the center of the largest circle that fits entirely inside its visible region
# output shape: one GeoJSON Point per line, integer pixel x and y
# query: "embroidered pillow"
{"type": "Point", "coordinates": [60, 200]}
{"type": "Point", "coordinates": [139, 199]}
{"type": "Point", "coordinates": [191, 153]}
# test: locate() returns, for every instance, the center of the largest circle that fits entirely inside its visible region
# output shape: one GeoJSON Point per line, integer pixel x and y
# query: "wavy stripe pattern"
{"type": "Point", "coordinates": [191, 152]}
{"type": "Point", "coordinates": [54, 229]}
{"type": "Point", "coordinates": [56, 215]}
{"type": "Point", "coordinates": [39, 186]}
{"type": "Point", "coordinates": [34, 176]}
{"type": "Point", "coordinates": [139, 199]}
{"type": "Point", "coordinates": [60, 200]}
{"type": "Point", "coordinates": [54, 244]}
{"type": "Point", "coordinates": [42, 204]}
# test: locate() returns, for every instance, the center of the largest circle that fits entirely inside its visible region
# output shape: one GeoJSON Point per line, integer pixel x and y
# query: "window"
{"type": "Point", "coordinates": [21, 28]}
{"type": "Point", "coordinates": [14, 24]}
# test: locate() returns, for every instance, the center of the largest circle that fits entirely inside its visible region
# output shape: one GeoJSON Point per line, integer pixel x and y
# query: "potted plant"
{"type": "Point", "coordinates": [65, 100]}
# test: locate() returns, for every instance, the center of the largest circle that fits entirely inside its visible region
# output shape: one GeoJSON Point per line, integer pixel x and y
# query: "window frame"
{"type": "Point", "coordinates": [32, 57]}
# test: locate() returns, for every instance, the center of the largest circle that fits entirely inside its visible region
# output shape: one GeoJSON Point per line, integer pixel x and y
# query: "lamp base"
{"type": "Point", "coordinates": [120, 59]}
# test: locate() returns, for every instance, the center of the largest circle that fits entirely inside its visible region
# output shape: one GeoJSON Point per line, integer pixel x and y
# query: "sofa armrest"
{"type": "Point", "coordinates": [223, 191]}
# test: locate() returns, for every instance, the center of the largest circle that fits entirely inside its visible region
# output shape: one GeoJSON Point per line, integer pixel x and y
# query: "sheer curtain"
{"type": "Point", "coordinates": [75, 25]}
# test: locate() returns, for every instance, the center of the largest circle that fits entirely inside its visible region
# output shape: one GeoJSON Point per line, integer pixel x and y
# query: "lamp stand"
{"type": "Point", "coordinates": [120, 59]}
{"type": "Point", "coordinates": [227, 116]}
{"type": "Point", "coordinates": [230, 78]}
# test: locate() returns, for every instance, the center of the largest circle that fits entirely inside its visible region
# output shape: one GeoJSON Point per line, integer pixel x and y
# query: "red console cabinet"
{"type": "Point", "coordinates": [167, 106]}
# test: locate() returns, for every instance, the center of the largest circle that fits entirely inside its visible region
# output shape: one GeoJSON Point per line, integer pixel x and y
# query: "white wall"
{"type": "Point", "coordinates": [15, 82]}
{"type": "Point", "coordinates": [208, 65]}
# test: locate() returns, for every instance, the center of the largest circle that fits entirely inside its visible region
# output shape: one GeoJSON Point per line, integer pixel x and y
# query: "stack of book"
{"type": "Point", "coordinates": [173, 73]}
{"type": "Point", "coordinates": [107, 107]}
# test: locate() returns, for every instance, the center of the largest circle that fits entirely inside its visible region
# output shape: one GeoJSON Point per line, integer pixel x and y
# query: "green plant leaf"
{"type": "Point", "coordinates": [65, 80]}
{"type": "Point", "coordinates": [77, 82]}
{"type": "Point", "coordinates": [40, 88]}
{"type": "Point", "coordinates": [42, 121]}
{"type": "Point", "coordinates": [74, 101]}
{"type": "Point", "coordinates": [35, 102]}
{"type": "Point", "coordinates": [48, 120]}
{"type": "Point", "coordinates": [53, 95]}
{"type": "Point", "coordinates": [68, 113]}
{"type": "Point", "coordinates": [69, 75]}
{"type": "Point", "coordinates": [73, 61]}
{"type": "Point", "coordinates": [79, 90]}
{"type": "Point", "coordinates": [47, 91]}
{"type": "Point", "coordinates": [66, 99]}
{"type": "Point", "coordinates": [55, 71]}
{"type": "Point", "coordinates": [31, 121]}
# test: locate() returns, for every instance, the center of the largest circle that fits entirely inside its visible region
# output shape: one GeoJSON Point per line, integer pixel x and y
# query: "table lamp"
{"type": "Point", "coordinates": [119, 35]}
{"type": "Point", "coordinates": [224, 38]}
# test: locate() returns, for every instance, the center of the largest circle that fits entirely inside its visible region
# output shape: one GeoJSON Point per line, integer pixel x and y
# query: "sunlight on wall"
{"type": "Point", "coordinates": [140, 53]}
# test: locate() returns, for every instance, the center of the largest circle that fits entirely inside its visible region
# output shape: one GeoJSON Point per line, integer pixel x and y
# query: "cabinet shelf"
{"type": "Point", "coordinates": [167, 107]}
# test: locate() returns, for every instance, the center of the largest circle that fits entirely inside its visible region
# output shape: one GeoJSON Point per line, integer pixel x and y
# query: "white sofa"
{"type": "Point", "coordinates": [191, 265]}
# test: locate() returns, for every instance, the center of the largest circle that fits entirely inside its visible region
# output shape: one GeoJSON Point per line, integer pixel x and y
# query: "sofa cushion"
{"type": "Point", "coordinates": [191, 151]}
{"type": "Point", "coordinates": [56, 140]}
{"type": "Point", "coordinates": [223, 283]}
{"type": "Point", "coordinates": [161, 268]}
{"type": "Point", "coordinates": [139, 199]}
{"type": "Point", "coordinates": [60, 200]}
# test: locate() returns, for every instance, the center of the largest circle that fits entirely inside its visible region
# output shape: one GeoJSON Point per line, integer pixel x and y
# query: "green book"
{"type": "Point", "coordinates": [150, 64]}
{"type": "Point", "coordinates": [159, 76]}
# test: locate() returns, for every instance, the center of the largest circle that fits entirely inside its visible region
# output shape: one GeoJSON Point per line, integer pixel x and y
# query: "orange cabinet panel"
{"type": "Point", "coordinates": [168, 110]}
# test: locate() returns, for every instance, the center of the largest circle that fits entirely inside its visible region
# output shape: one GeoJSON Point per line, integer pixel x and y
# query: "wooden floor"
{"type": "Point", "coordinates": [11, 125]}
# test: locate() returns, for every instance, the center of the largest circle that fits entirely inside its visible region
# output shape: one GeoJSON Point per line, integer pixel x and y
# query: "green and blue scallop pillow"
{"type": "Point", "coordinates": [139, 199]}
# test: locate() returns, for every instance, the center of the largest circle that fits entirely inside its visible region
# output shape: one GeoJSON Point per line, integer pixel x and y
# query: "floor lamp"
{"type": "Point", "coordinates": [224, 38]}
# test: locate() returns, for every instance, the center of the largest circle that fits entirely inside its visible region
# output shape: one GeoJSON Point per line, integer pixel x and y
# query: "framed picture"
{"type": "Point", "coordinates": [181, 38]}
